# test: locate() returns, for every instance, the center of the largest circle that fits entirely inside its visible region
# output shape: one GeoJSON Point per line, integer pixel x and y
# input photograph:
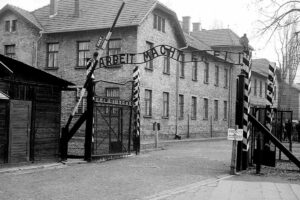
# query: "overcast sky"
{"type": "Point", "coordinates": [239, 15]}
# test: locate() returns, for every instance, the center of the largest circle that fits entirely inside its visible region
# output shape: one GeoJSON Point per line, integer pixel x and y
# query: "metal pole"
{"type": "Point", "coordinates": [89, 121]}
{"type": "Point", "coordinates": [258, 148]}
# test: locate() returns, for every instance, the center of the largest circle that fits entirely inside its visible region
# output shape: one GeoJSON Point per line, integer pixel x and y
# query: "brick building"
{"type": "Point", "coordinates": [194, 99]}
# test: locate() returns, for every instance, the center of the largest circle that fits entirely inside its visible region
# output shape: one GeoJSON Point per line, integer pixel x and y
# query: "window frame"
{"type": "Point", "coordinates": [166, 102]}
{"type": "Point", "coordinates": [217, 72]}
{"type": "Point", "coordinates": [159, 23]}
{"type": "Point", "coordinates": [206, 73]}
{"type": "Point", "coordinates": [194, 108]}
{"type": "Point", "coordinates": [182, 67]}
{"type": "Point", "coordinates": [10, 54]}
{"type": "Point", "coordinates": [149, 64]}
{"type": "Point", "coordinates": [167, 63]}
{"type": "Point", "coordinates": [226, 77]}
{"type": "Point", "coordinates": [225, 110]}
{"type": "Point", "coordinates": [118, 49]}
{"type": "Point", "coordinates": [112, 88]}
{"type": "Point", "coordinates": [194, 69]}
{"type": "Point", "coordinates": [148, 103]}
{"type": "Point", "coordinates": [54, 53]}
{"type": "Point", "coordinates": [216, 110]}
{"type": "Point", "coordinates": [85, 51]}
{"type": "Point", "coordinates": [181, 106]}
{"type": "Point", "coordinates": [205, 108]}
{"type": "Point", "coordinates": [7, 26]}
{"type": "Point", "coordinates": [14, 25]}
{"type": "Point", "coordinates": [260, 88]}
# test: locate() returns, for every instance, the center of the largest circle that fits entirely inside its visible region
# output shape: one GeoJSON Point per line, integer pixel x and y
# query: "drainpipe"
{"type": "Point", "coordinates": [36, 49]}
{"type": "Point", "coordinates": [230, 97]}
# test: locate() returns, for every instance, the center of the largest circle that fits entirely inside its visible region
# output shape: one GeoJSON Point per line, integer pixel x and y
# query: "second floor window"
{"type": "Point", "coordinates": [260, 88]}
{"type": "Point", "coordinates": [216, 75]}
{"type": "Point", "coordinates": [83, 53]}
{"type": "Point", "coordinates": [159, 23]}
{"type": "Point", "coordinates": [10, 50]}
{"type": "Point", "coordinates": [7, 26]}
{"type": "Point", "coordinates": [225, 78]}
{"type": "Point", "coordinates": [148, 102]}
{"type": "Point", "coordinates": [13, 25]}
{"type": "Point", "coordinates": [52, 55]}
{"type": "Point", "coordinates": [194, 70]}
{"type": "Point", "coordinates": [149, 64]}
{"type": "Point", "coordinates": [206, 72]}
{"type": "Point", "coordinates": [114, 47]}
{"type": "Point", "coordinates": [182, 65]}
{"type": "Point", "coordinates": [181, 106]}
{"type": "Point", "coordinates": [266, 90]}
{"type": "Point", "coordinates": [255, 87]}
{"type": "Point", "coordinates": [165, 104]}
{"type": "Point", "coordinates": [166, 65]}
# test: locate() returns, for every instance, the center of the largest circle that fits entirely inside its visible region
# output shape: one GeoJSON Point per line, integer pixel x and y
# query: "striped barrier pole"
{"type": "Point", "coordinates": [136, 107]}
{"type": "Point", "coordinates": [270, 97]}
{"type": "Point", "coordinates": [246, 108]}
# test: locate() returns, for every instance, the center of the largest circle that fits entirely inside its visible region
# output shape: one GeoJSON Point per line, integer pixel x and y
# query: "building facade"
{"type": "Point", "coordinates": [194, 98]}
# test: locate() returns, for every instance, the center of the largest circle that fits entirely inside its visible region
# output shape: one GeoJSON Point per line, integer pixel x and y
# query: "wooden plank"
{"type": "Point", "coordinates": [20, 120]}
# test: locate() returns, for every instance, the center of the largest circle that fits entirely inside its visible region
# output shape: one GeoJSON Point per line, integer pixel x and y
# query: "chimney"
{"type": "Point", "coordinates": [76, 8]}
{"type": "Point", "coordinates": [196, 26]}
{"type": "Point", "coordinates": [186, 23]}
{"type": "Point", "coordinates": [53, 7]}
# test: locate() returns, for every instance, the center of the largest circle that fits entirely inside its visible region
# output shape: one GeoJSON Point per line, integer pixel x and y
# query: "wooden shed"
{"type": "Point", "coordinates": [30, 110]}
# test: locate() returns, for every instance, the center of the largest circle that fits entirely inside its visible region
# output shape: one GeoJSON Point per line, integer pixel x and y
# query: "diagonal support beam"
{"type": "Point", "coordinates": [77, 125]}
{"type": "Point", "coordinates": [274, 140]}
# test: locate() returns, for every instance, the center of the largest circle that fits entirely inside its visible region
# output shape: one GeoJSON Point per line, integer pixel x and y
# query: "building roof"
{"type": "Point", "coordinates": [3, 96]}
{"type": "Point", "coordinates": [195, 43]}
{"type": "Point", "coordinates": [261, 66]}
{"type": "Point", "coordinates": [94, 14]}
{"type": "Point", "coordinates": [16, 68]}
{"type": "Point", "coordinates": [218, 37]}
{"type": "Point", "coordinates": [29, 17]}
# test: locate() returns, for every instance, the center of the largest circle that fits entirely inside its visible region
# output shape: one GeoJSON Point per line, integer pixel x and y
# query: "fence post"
{"type": "Point", "coordinates": [89, 121]}
{"type": "Point", "coordinates": [239, 117]}
{"type": "Point", "coordinates": [64, 144]}
{"type": "Point", "coordinates": [136, 104]}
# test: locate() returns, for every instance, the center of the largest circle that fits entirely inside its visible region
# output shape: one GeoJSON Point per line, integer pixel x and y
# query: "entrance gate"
{"type": "Point", "coordinates": [112, 126]}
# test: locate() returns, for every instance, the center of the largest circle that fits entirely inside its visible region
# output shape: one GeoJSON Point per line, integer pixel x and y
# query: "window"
{"type": "Point", "coordinates": [216, 75]}
{"type": "Point", "coordinates": [206, 72]}
{"type": "Point", "coordinates": [255, 87]}
{"type": "Point", "coordinates": [10, 50]}
{"type": "Point", "coordinates": [225, 78]}
{"type": "Point", "coordinates": [182, 65]}
{"type": "Point", "coordinates": [7, 26]}
{"type": "Point", "coordinates": [10, 26]}
{"type": "Point", "coordinates": [14, 26]}
{"type": "Point", "coordinates": [194, 108]}
{"type": "Point", "coordinates": [260, 88]}
{"type": "Point", "coordinates": [113, 92]}
{"type": "Point", "coordinates": [149, 64]}
{"type": "Point", "coordinates": [83, 104]}
{"type": "Point", "coordinates": [216, 110]}
{"type": "Point", "coordinates": [159, 23]}
{"type": "Point", "coordinates": [225, 110]}
{"type": "Point", "coordinates": [266, 90]}
{"type": "Point", "coordinates": [83, 53]}
{"type": "Point", "coordinates": [194, 69]}
{"type": "Point", "coordinates": [52, 55]}
{"type": "Point", "coordinates": [166, 65]}
{"type": "Point", "coordinates": [114, 47]}
{"type": "Point", "coordinates": [205, 107]}
{"type": "Point", "coordinates": [181, 106]}
{"type": "Point", "coordinates": [165, 104]}
{"type": "Point", "coordinates": [148, 102]}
